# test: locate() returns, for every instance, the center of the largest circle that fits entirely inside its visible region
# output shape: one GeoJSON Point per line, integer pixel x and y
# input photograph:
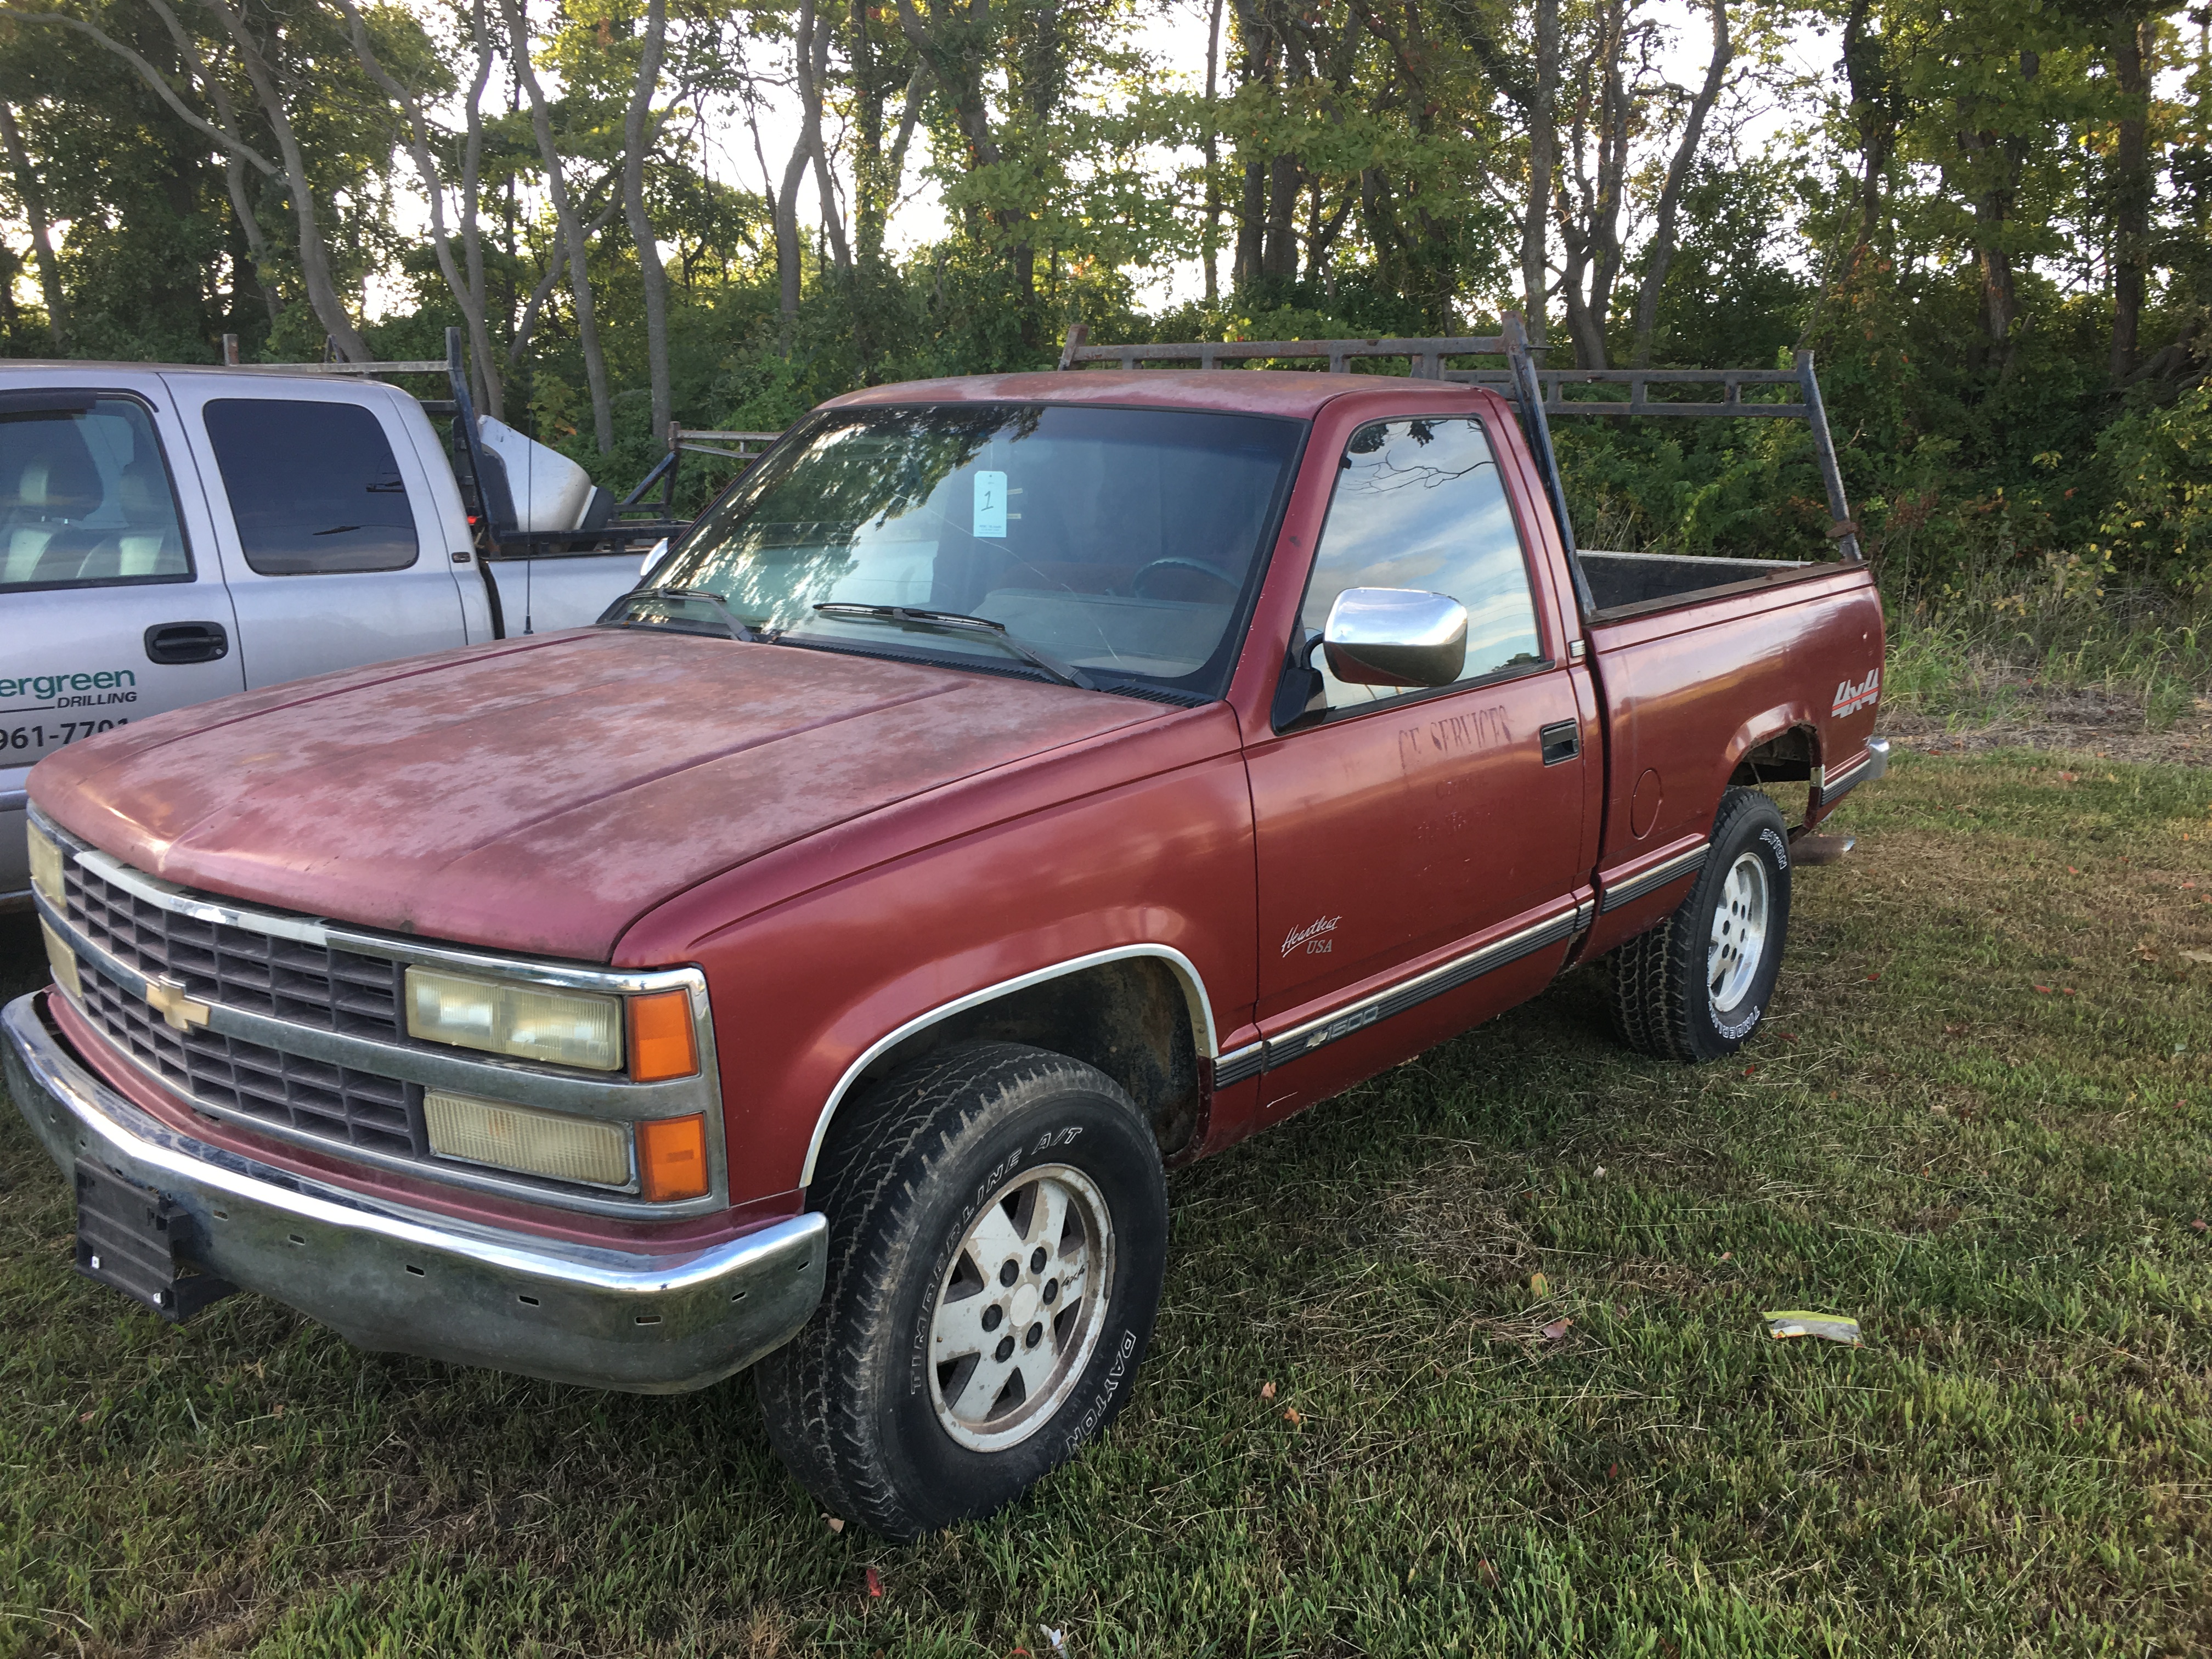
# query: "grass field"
{"type": "Point", "coordinates": [1980, 1120]}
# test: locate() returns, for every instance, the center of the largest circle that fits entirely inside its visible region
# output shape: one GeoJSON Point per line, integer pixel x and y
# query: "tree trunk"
{"type": "Point", "coordinates": [42, 247]}
{"type": "Point", "coordinates": [811, 62]}
{"type": "Point", "coordinates": [1670, 194]}
{"type": "Point", "coordinates": [1543, 157]}
{"type": "Point", "coordinates": [314, 251]}
{"type": "Point", "coordinates": [1278, 257]}
{"type": "Point", "coordinates": [1212, 159]}
{"type": "Point", "coordinates": [235, 153]}
{"type": "Point", "coordinates": [654, 279]}
{"type": "Point", "coordinates": [2131, 191]}
{"type": "Point", "coordinates": [571, 227]}
{"type": "Point", "coordinates": [491, 394]}
{"type": "Point", "coordinates": [469, 298]}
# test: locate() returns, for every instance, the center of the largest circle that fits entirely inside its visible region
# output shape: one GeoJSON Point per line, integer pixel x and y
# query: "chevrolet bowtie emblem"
{"type": "Point", "coordinates": [168, 998]}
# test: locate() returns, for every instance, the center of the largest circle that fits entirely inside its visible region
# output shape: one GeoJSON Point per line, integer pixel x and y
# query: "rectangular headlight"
{"type": "Point", "coordinates": [531, 1022]}
{"type": "Point", "coordinates": [46, 865]}
{"type": "Point", "coordinates": [549, 1144]}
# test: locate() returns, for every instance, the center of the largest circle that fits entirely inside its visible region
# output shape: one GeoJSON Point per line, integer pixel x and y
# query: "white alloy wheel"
{"type": "Point", "coordinates": [1739, 937]}
{"type": "Point", "coordinates": [1021, 1308]}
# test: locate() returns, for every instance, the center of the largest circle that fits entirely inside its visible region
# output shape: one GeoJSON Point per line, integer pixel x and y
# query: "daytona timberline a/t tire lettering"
{"type": "Point", "coordinates": [944, 1373]}
{"type": "Point", "coordinates": [1696, 986]}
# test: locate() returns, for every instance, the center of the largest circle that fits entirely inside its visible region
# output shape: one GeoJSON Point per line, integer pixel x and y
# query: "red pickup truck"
{"type": "Point", "coordinates": [1013, 788]}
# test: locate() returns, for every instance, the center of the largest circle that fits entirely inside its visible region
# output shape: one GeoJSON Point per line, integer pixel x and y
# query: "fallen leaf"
{"type": "Point", "coordinates": [1727, 1255]}
{"type": "Point", "coordinates": [2043, 990]}
{"type": "Point", "coordinates": [1613, 1471]}
{"type": "Point", "coordinates": [836, 1522]}
{"type": "Point", "coordinates": [86, 1417]}
{"type": "Point", "coordinates": [1291, 1416]}
{"type": "Point", "coordinates": [2069, 777]}
{"type": "Point", "coordinates": [1489, 1573]}
{"type": "Point", "coordinates": [1600, 1172]}
{"type": "Point", "coordinates": [1872, 977]}
{"type": "Point", "coordinates": [1557, 1328]}
{"type": "Point", "coordinates": [1789, 1036]}
{"type": "Point", "coordinates": [1940, 1110]}
{"type": "Point", "coordinates": [1954, 1030]}
{"type": "Point", "coordinates": [2066, 991]}
{"type": "Point", "coordinates": [1267, 1391]}
{"type": "Point", "coordinates": [1539, 1285]}
{"type": "Point", "coordinates": [1748, 1070]}
{"type": "Point", "coordinates": [2071, 871]}
{"type": "Point", "coordinates": [2197, 956]}
{"type": "Point", "coordinates": [875, 1582]}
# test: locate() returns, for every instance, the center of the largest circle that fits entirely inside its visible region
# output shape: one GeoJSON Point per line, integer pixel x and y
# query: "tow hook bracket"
{"type": "Point", "coordinates": [1820, 849]}
{"type": "Point", "coordinates": [133, 1239]}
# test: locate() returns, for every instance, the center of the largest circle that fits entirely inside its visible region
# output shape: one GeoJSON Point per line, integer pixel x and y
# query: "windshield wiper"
{"type": "Point", "coordinates": [738, 628]}
{"type": "Point", "coordinates": [959, 622]}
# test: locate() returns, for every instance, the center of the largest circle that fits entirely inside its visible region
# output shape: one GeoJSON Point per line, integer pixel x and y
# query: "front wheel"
{"type": "Point", "coordinates": [998, 1231]}
{"type": "Point", "coordinates": [1696, 986]}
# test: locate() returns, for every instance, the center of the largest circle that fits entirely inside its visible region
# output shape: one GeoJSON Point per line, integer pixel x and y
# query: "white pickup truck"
{"type": "Point", "coordinates": [169, 535]}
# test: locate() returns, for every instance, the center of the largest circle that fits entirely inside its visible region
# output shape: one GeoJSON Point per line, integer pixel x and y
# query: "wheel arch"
{"type": "Point", "coordinates": [1139, 1012]}
{"type": "Point", "coordinates": [1782, 745]}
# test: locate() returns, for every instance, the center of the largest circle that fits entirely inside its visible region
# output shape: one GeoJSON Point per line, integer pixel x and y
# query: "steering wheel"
{"type": "Point", "coordinates": [1136, 581]}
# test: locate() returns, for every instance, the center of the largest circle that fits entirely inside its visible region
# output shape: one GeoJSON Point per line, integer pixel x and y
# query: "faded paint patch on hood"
{"type": "Point", "coordinates": [539, 796]}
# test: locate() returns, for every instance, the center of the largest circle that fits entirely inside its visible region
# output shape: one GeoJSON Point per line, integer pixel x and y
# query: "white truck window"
{"type": "Point", "coordinates": [1419, 504]}
{"type": "Point", "coordinates": [85, 496]}
{"type": "Point", "coordinates": [313, 488]}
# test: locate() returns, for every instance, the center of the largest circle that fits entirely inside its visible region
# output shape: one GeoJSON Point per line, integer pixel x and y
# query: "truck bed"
{"type": "Point", "coordinates": [1627, 584]}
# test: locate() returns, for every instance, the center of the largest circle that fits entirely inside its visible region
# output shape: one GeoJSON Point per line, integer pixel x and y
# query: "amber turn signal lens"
{"type": "Point", "coordinates": [671, 1157]}
{"type": "Point", "coordinates": [661, 1045]}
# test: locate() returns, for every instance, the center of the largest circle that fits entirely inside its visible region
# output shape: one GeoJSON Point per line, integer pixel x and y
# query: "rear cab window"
{"type": "Point", "coordinates": [313, 488]}
{"type": "Point", "coordinates": [85, 498]}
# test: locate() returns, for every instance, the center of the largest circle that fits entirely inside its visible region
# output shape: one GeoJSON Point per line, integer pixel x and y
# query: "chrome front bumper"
{"type": "Point", "coordinates": [407, 1281]}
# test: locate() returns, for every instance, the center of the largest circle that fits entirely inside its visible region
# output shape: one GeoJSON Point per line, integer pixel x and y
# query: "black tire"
{"type": "Point", "coordinates": [1663, 999]}
{"type": "Point", "coordinates": [853, 1402]}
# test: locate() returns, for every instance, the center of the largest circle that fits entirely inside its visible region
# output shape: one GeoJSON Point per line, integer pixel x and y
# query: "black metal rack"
{"type": "Point", "coordinates": [1538, 394]}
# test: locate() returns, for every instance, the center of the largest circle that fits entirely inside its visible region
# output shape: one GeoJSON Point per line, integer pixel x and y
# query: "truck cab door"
{"type": "Point", "coordinates": [1419, 851]}
{"type": "Point", "coordinates": [327, 521]}
{"type": "Point", "coordinates": [112, 605]}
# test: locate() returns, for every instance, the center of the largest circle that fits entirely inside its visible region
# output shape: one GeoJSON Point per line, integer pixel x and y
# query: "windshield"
{"type": "Point", "coordinates": [1124, 542]}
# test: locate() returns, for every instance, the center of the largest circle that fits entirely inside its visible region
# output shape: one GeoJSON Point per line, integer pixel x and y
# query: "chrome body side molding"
{"type": "Point", "coordinates": [1673, 869]}
{"type": "Point", "coordinates": [1203, 1034]}
{"type": "Point", "coordinates": [1412, 993]}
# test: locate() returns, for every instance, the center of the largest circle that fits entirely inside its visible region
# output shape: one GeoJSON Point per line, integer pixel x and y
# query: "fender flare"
{"type": "Point", "coordinates": [1199, 1005]}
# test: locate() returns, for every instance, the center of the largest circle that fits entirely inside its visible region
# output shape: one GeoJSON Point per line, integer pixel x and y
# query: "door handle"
{"type": "Point", "coordinates": [1563, 741]}
{"type": "Point", "coordinates": [186, 642]}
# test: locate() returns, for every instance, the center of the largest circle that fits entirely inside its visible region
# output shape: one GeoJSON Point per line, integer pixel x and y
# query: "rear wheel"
{"type": "Point", "coordinates": [1696, 986]}
{"type": "Point", "coordinates": [997, 1227]}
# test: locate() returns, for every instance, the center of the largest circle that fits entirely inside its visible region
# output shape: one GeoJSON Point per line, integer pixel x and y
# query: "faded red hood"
{"type": "Point", "coordinates": [541, 795]}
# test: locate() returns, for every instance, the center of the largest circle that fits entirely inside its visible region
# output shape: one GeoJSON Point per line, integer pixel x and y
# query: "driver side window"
{"type": "Point", "coordinates": [1419, 504]}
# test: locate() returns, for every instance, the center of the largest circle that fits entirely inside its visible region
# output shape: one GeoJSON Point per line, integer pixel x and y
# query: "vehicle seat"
{"type": "Point", "coordinates": [55, 487]}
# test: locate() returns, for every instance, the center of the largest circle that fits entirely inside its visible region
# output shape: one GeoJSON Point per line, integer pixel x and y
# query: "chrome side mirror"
{"type": "Point", "coordinates": [1395, 636]}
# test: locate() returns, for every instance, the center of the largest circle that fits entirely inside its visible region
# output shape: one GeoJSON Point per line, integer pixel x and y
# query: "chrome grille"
{"type": "Point", "coordinates": [286, 979]}
{"type": "Point", "coordinates": [331, 1102]}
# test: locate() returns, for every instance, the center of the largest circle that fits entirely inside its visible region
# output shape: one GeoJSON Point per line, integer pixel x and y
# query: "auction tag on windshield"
{"type": "Point", "coordinates": [990, 504]}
